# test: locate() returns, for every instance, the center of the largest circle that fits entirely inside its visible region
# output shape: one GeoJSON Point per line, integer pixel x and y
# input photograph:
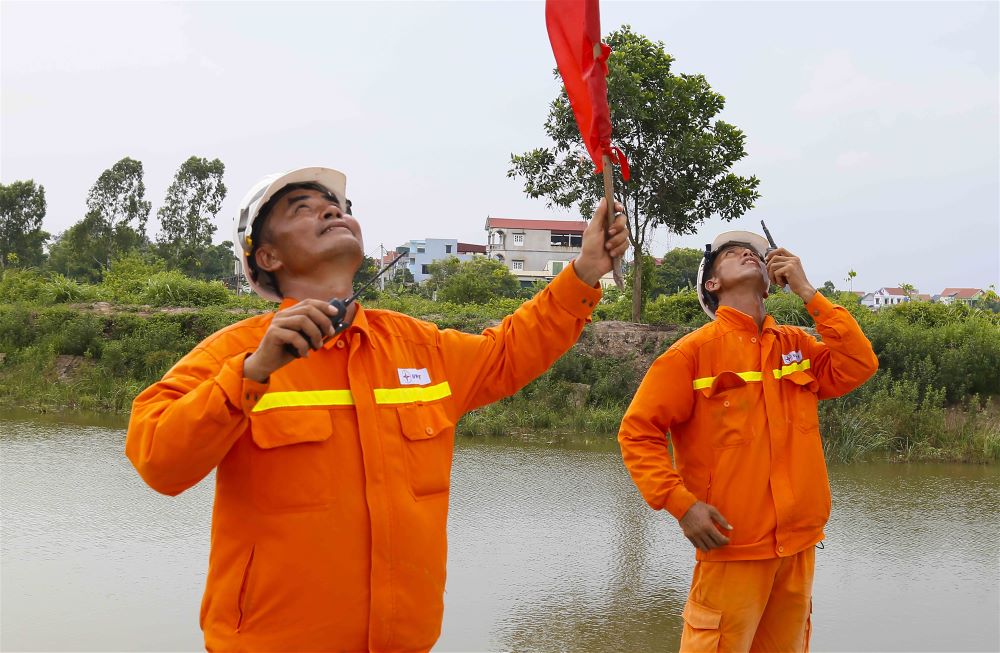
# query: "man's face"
{"type": "Point", "coordinates": [307, 227]}
{"type": "Point", "coordinates": [737, 265]}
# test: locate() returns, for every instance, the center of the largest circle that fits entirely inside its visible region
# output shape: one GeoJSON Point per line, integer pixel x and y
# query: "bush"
{"type": "Point", "coordinates": [680, 308]}
{"type": "Point", "coordinates": [20, 286]}
{"type": "Point", "coordinates": [172, 288]}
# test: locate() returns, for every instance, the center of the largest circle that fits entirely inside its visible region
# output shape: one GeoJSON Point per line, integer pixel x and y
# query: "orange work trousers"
{"type": "Point", "coordinates": [750, 605]}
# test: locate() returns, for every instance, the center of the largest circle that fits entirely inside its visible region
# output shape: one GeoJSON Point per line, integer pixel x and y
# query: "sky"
{"type": "Point", "coordinates": [873, 127]}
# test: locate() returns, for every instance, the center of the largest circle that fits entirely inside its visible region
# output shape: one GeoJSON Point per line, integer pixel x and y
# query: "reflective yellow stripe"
{"type": "Point", "coordinates": [706, 381]}
{"type": "Point", "coordinates": [789, 369]}
{"type": "Point", "coordinates": [319, 398]}
{"type": "Point", "coordinates": [412, 395]}
{"type": "Point", "coordinates": [304, 398]}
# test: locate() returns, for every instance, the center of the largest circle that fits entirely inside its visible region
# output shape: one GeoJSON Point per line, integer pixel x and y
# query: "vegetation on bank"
{"type": "Point", "coordinates": [62, 349]}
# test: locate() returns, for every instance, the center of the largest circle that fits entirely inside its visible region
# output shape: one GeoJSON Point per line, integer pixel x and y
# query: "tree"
{"type": "Point", "coordinates": [680, 158]}
{"type": "Point", "coordinates": [22, 208]}
{"type": "Point", "coordinates": [677, 271]}
{"type": "Point", "coordinates": [115, 224]}
{"type": "Point", "coordinates": [119, 197]}
{"type": "Point", "coordinates": [193, 200]}
{"type": "Point", "coordinates": [476, 281]}
{"type": "Point", "coordinates": [850, 279]}
{"type": "Point", "coordinates": [828, 289]}
{"type": "Point", "coordinates": [908, 289]}
{"type": "Point", "coordinates": [84, 251]}
{"type": "Point", "coordinates": [367, 270]}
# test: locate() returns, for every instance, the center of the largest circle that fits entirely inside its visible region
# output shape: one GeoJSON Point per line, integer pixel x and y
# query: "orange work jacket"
{"type": "Point", "coordinates": [331, 490]}
{"type": "Point", "coordinates": [740, 406]}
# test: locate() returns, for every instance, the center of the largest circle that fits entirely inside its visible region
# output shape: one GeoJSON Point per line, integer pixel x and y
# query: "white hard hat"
{"type": "Point", "coordinates": [745, 238]}
{"type": "Point", "coordinates": [330, 179]}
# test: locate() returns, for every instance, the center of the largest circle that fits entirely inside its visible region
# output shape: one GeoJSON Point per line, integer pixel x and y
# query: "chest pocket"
{"type": "Point", "coordinates": [291, 465]}
{"type": "Point", "coordinates": [729, 400]}
{"type": "Point", "coordinates": [801, 401]}
{"type": "Point", "coordinates": [428, 443]}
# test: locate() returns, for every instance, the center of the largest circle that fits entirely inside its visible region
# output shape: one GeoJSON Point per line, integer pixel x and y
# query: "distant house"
{"type": "Point", "coordinates": [885, 297]}
{"type": "Point", "coordinates": [960, 295]}
{"type": "Point", "coordinates": [535, 249]}
{"type": "Point", "coordinates": [426, 251]}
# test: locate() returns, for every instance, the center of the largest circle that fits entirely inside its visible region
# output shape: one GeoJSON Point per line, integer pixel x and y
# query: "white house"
{"type": "Point", "coordinates": [885, 297]}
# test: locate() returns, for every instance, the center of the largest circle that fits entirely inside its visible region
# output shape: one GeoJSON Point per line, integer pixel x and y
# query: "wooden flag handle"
{"type": "Point", "coordinates": [609, 198]}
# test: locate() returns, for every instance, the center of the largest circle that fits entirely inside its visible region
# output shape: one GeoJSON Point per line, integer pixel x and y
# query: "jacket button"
{"type": "Point", "coordinates": [726, 403]}
{"type": "Point", "coordinates": [781, 549]}
{"type": "Point", "coordinates": [753, 339]}
{"type": "Point", "coordinates": [429, 431]}
{"type": "Point", "coordinates": [816, 312]}
{"type": "Point", "coordinates": [340, 344]}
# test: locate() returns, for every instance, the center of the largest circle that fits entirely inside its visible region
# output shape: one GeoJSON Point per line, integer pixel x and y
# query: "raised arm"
{"type": "Point", "coordinates": [503, 359]}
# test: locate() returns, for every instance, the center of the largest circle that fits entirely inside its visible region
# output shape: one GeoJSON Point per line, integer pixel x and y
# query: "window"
{"type": "Point", "coordinates": [447, 249]}
{"type": "Point", "coordinates": [565, 240]}
{"type": "Point", "coordinates": [557, 267]}
{"type": "Point", "coordinates": [425, 269]}
{"type": "Point", "coordinates": [518, 239]}
{"type": "Point", "coordinates": [420, 249]}
{"type": "Point", "coordinates": [876, 301]}
{"type": "Point", "coordinates": [517, 265]}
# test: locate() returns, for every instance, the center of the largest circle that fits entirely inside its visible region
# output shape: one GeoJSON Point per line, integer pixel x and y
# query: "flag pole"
{"type": "Point", "coordinates": [609, 197]}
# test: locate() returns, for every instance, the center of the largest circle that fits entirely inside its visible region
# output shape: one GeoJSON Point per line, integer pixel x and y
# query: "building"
{"type": "Point", "coordinates": [885, 297]}
{"type": "Point", "coordinates": [426, 251]}
{"type": "Point", "coordinates": [535, 249]}
{"type": "Point", "coordinates": [960, 295]}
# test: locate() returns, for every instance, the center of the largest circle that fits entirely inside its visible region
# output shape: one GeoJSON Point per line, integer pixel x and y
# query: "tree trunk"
{"type": "Point", "coordinates": [637, 287]}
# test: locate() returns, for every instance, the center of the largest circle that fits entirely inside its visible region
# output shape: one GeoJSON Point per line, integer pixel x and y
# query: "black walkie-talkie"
{"type": "Point", "coordinates": [770, 240]}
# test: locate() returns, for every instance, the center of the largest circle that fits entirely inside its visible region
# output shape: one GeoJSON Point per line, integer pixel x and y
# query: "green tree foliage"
{"type": "Point", "coordinates": [681, 156]}
{"type": "Point", "coordinates": [119, 197]}
{"type": "Point", "coordinates": [677, 271]}
{"type": "Point", "coordinates": [367, 270]}
{"type": "Point", "coordinates": [86, 250]}
{"type": "Point", "coordinates": [192, 201]}
{"type": "Point", "coordinates": [471, 282]}
{"type": "Point", "coordinates": [22, 207]}
{"type": "Point", "coordinates": [646, 280]}
{"type": "Point", "coordinates": [827, 289]}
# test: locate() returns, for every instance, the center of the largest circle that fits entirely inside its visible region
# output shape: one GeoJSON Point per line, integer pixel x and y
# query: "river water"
{"type": "Point", "coordinates": [551, 549]}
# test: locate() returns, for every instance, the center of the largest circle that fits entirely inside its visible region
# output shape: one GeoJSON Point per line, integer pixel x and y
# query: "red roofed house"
{"type": "Point", "coordinates": [535, 249]}
{"type": "Point", "coordinates": [962, 295]}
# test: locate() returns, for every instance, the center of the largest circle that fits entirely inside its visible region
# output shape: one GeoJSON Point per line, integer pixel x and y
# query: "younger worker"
{"type": "Point", "coordinates": [333, 457]}
{"type": "Point", "coordinates": [738, 398]}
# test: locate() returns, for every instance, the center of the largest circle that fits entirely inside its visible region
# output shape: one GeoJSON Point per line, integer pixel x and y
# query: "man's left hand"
{"type": "Point", "coordinates": [785, 269]}
{"type": "Point", "coordinates": [599, 248]}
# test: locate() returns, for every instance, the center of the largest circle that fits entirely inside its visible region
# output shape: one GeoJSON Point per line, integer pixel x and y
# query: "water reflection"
{"type": "Point", "coordinates": [551, 549]}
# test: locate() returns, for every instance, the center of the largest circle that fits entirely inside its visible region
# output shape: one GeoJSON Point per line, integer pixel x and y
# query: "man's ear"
{"type": "Point", "coordinates": [712, 285]}
{"type": "Point", "coordinates": [267, 258]}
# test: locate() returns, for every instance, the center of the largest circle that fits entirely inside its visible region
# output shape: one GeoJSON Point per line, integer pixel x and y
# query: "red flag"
{"type": "Point", "coordinates": [575, 32]}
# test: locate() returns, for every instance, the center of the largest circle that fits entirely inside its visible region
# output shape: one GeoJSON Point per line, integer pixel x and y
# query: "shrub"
{"type": "Point", "coordinates": [172, 288]}
{"type": "Point", "coordinates": [679, 308]}
{"type": "Point", "coordinates": [20, 286]}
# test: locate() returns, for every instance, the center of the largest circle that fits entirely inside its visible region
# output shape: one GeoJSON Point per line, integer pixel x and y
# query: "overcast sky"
{"type": "Point", "coordinates": [872, 126]}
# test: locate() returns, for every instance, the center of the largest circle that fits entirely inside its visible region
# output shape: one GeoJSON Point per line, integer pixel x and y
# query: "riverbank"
{"type": "Point", "coordinates": [929, 401]}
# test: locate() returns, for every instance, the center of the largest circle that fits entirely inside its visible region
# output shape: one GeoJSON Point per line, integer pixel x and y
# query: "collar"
{"type": "Point", "coordinates": [359, 323]}
{"type": "Point", "coordinates": [736, 320]}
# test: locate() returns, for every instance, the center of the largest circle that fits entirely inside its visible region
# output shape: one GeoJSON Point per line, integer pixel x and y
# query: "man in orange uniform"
{"type": "Point", "coordinates": [738, 398]}
{"type": "Point", "coordinates": [332, 445]}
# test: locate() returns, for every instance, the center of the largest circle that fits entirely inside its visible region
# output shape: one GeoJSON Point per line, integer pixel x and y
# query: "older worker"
{"type": "Point", "coordinates": [333, 445]}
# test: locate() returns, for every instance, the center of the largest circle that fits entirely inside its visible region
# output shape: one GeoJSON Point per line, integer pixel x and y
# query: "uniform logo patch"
{"type": "Point", "coordinates": [791, 357]}
{"type": "Point", "coordinates": [410, 376]}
